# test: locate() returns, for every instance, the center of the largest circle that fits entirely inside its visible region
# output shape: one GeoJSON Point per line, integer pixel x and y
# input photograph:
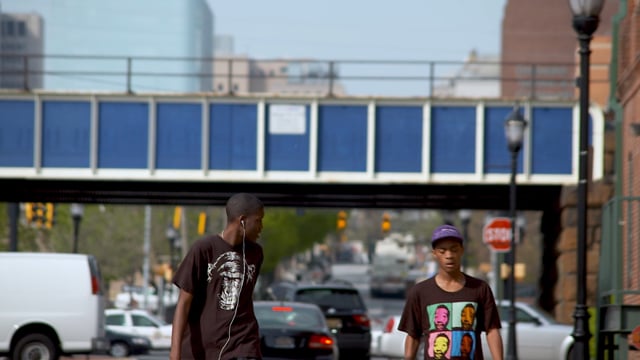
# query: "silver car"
{"type": "Point", "coordinates": [539, 336]}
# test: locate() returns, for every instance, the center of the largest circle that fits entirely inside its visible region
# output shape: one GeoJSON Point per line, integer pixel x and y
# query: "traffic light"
{"type": "Point", "coordinates": [177, 217]}
{"type": "Point", "coordinates": [386, 223]}
{"type": "Point", "coordinates": [38, 214]}
{"type": "Point", "coordinates": [28, 212]}
{"type": "Point", "coordinates": [341, 223]}
{"type": "Point", "coordinates": [49, 215]}
{"type": "Point", "coordinates": [202, 223]}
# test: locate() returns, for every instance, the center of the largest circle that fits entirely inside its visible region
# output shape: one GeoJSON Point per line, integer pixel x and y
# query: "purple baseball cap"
{"type": "Point", "coordinates": [446, 232]}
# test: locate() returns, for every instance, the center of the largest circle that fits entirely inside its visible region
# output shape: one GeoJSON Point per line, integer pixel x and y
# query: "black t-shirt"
{"type": "Point", "coordinates": [450, 323]}
{"type": "Point", "coordinates": [222, 289]}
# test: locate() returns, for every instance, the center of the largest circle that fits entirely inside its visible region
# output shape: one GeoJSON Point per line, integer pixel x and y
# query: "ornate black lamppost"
{"type": "Point", "coordinates": [172, 238]}
{"type": "Point", "coordinates": [586, 16]}
{"type": "Point", "coordinates": [514, 127]}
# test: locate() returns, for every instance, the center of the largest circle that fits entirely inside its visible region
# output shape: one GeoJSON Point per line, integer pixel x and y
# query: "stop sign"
{"type": "Point", "coordinates": [497, 234]}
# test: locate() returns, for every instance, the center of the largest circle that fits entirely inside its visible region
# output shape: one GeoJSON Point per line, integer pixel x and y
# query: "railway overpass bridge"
{"type": "Point", "coordinates": [292, 151]}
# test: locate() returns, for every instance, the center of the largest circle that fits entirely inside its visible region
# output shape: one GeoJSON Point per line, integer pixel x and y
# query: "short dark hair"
{"type": "Point", "coordinates": [242, 204]}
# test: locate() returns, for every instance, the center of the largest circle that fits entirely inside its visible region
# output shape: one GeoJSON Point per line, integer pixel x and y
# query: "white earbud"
{"type": "Point", "coordinates": [242, 223]}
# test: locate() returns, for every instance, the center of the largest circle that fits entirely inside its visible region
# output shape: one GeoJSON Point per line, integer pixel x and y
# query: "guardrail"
{"type": "Point", "coordinates": [241, 75]}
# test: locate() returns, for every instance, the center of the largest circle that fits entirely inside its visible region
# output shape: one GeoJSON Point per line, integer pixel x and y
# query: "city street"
{"type": "Point", "coordinates": [379, 310]}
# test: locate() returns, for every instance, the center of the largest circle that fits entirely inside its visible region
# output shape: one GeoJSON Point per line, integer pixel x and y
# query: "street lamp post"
{"type": "Point", "coordinates": [586, 16]}
{"type": "Point", "coordinates": [465, 218]}
{"type": "Point", "coordinates": [172, 235]}
{"type": "Point", "coordinates": [77, 210]}
{"type": "Point", "coordinates": [514, 127]}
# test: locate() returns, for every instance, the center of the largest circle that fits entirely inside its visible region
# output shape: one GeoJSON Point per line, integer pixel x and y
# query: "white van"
{"type": "Point", "coordinates": [50, 304]}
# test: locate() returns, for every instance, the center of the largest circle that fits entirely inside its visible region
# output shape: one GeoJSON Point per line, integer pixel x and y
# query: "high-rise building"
{"type": "Point", "coordinates": [117, 45]}
{"type": "Point", "coordinates": [20, 35]}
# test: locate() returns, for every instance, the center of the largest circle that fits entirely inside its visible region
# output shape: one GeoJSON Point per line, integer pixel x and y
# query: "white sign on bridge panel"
{"type": "Point", "coordinates": [287, 120]}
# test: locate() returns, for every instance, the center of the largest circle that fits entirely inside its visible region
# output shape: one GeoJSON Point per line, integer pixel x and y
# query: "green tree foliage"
{"type": "Point", "coordinates": [287, 232]}
{"type": "Point", "coordinates": [114, 234]}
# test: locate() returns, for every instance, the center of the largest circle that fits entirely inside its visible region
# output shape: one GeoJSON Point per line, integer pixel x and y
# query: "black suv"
{"type": "Point", "coordinates": [343, 308]}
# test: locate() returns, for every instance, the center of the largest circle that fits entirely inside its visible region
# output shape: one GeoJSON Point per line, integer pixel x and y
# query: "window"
{"type": "Point", "coordinates": [335, 298]}
{"type": "Point", "coordinates": [22, 28]}
{"type": "Point", "coordinates": [140, 320]}
{"type": "Point", "coordinates": [117, 320]}
{"type": "Point", "coordinates": [8, 28]}
{"type": "Point", "coordinates": [293, 317]}
{"type": "Point", "coordinates": [521, 315]}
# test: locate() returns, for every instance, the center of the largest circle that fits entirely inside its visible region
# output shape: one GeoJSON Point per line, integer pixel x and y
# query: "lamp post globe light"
{"type": "Point", "coordinates": [514, 127]}
{"type": "Point", "coordinates": [77, 211]}
{"type": "Point", "coordinates": [172, 236]}
{"type": "Point", "coordinates": [586, 16]}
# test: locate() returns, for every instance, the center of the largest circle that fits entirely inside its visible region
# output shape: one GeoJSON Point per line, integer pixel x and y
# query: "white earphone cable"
{"type": "Point", "coordinates": [235, 312]}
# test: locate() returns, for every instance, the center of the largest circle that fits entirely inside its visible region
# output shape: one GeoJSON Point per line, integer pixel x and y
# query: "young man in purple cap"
{"type": "Point", "coordinates": [452, 289]}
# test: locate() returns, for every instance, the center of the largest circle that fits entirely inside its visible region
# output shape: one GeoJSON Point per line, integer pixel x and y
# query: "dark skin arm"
{"type": "Point", "coordinates": [411, 345]}
{"type": "Point", "coordinates": [180, 324]}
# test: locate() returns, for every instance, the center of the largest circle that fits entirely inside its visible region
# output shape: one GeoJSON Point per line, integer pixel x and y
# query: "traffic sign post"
{"type": "Point", "coordinates": [497, 234]}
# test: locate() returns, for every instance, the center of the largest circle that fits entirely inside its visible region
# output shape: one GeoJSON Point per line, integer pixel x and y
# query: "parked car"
{"type": "Point", "coordinates": [344, 310]}
{"type": "Point", "coordinates": [539, 336]}
{"type": "Point", "coordinates": [294, 330]}
{"type": "Point", "coordinates": [141, 323]}
{"type": "Point", "coordinates": [123, 345]}
{"type": "Point", "coordinates": [51, 304]}
{"type": "Point", "coordinates": [389, 343]}
{"type": "Point", "coordinates": [131, 297]}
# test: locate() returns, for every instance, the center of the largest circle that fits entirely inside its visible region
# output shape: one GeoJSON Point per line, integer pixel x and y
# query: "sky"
{"type": "Point", "coordinates": [405, 30]}
{"type": "Point", "coordinates": [361, 30]}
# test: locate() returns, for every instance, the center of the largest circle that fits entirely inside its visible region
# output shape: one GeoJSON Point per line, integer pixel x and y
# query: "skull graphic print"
{"type": "Point", "coordinates": [229, 268]}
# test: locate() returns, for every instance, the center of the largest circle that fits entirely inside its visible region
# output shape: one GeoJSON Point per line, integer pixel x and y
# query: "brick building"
{"type": "Point", "coordinates": [626, 104]}
{"type": "Point", "coordinates": [539, 49]}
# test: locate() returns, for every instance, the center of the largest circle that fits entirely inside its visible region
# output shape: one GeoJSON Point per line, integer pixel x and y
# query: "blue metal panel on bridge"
{"type": "Point", "coordinates": [233, 133]}
{"type": "Point", "coordinates": [453, 130]}
{"type": "Point", "coordinates": [287, 151]}
{"type": "Point", "coordinates": [123, 135]}
{"type": "Point", "coordinates": [342, 142]}
{"type": "Point", "coordinates": [192, 138]}
{"type": "Point", "coordinates": [65, 139]}
{"type": "Point", "coordinates": [16, 134]}
{"type": "Point", "coordinates": [398, 139]}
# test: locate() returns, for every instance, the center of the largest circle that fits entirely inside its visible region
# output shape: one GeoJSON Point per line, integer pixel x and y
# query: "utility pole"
{"type": "Point", "coordinates": [14, 214]}
{"type": "Point", "coordinates": [147, 252]}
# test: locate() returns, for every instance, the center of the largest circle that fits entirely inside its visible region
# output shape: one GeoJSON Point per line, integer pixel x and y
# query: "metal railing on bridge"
{"type": "Point", "coordinates": [237, 75]}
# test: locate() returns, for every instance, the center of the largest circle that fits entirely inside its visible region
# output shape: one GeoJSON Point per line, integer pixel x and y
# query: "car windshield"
{"type": "Point", "coordinates": [146, 320]}
{"type": "Point", "coordinates": [331, 298]}
{"type": "Point", "coordinates": [543, 314]}
{"type": "Point", "coordinates": [275, 316]}
{"type": "Point", "coordinates": [527, 316]}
